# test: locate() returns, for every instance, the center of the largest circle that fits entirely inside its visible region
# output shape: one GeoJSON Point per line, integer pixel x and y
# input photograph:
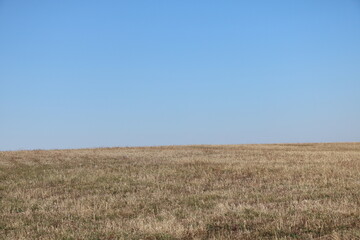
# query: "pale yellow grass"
{"type": "Point", "coordinates": [279, 191]}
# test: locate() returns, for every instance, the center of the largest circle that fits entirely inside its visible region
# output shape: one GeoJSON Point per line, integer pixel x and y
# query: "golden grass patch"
{"type": "Point", "coordinates": [275, 191]}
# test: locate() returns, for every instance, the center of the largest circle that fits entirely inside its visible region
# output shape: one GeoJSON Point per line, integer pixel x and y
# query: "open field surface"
{"type": "Point", "coordinates": [279, 191]}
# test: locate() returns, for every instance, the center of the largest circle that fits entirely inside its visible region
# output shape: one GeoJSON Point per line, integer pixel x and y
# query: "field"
{"type": "Point", "coordinates": [277, 191]}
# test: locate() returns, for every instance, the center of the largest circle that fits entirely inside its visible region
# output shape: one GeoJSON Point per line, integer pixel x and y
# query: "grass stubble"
{"type": "Point", "coordinates": [277, 191]}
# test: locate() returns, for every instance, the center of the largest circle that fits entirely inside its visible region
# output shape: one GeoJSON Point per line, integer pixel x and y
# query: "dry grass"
{"type": "Point", "coordinates": [282, 191]}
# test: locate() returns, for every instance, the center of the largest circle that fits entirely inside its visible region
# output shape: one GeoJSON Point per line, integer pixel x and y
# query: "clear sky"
{"type": "Point", "coordinates": [137, 73]}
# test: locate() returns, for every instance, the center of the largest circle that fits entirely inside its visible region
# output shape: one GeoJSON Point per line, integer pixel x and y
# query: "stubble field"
{"type": "Point", "coordinates": [278, 191]}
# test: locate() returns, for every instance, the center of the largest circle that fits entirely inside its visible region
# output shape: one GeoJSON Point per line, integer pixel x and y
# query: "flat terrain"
{"type": "Point", "coordinates": [279, 191]}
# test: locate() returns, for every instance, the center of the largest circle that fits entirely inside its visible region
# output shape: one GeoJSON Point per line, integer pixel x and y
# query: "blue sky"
{"type": "Point", "coordinates": [137, 73]}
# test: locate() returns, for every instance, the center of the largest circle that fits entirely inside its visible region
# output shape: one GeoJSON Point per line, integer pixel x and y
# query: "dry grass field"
{"type": "Point", "coordinates": [278, 191]}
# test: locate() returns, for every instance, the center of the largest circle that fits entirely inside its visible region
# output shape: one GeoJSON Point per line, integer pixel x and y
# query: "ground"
{"type": "Point", "coordinates": [276, 191]}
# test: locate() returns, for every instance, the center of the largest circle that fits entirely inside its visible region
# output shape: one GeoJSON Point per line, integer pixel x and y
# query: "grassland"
{"type": "Point", "coordinates": [279, 191]}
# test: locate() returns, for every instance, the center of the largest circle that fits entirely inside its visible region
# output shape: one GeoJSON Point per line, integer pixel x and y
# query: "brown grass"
{"type": "Point", "coordinates": [280, 191]}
